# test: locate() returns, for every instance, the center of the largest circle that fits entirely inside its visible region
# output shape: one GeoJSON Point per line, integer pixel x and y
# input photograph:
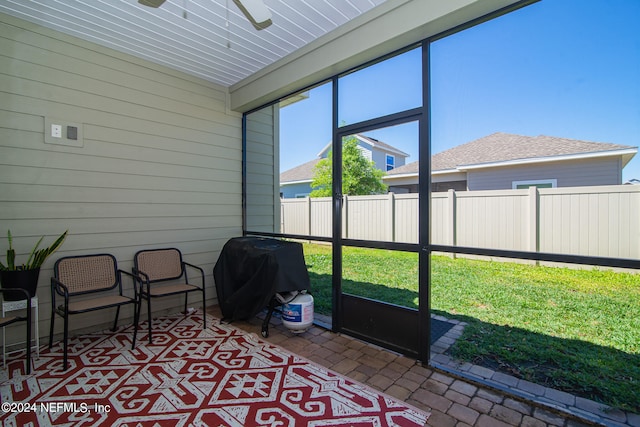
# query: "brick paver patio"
{"type": "Point", "coordinates": [454, 400]}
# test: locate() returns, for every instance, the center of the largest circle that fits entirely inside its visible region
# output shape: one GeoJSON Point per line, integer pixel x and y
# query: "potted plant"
{"type": "Point", "coordinates": [25, 275]}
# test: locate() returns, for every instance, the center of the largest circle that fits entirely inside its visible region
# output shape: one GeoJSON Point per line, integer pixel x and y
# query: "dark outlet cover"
{"type": "Point", "coordinates": [72, 132]}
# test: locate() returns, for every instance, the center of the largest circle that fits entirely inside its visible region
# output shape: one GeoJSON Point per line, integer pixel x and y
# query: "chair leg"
{"type": "Point", "coordinates": [115, 323]}
{"type": "Point", "coordinates": [65, 338]}
{"type": "Point", "coordinates": [53, 317]}
{"type": "Point", "coordinates": [136, 318]}
{"type": "Point", "coordinates": [186, 294]}
{"type": "Point", "coordinates": [204, 311]}
{"type": "Point", "coordinates": [149, 316]}
{"type": "Point", "coordinates": [28, 370]}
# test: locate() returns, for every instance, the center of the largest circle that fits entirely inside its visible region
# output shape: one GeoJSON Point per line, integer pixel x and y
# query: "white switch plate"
{"type": "Point", "coordinates": [56, 131]}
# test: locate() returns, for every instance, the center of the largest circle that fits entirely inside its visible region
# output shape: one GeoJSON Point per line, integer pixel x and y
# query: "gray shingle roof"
{"type": "Point", "coordinates": [408, 168]}
{"type": "Point", "coordinates": [503, 147]}
{"type": "Point", "coordinates": [299, 173]}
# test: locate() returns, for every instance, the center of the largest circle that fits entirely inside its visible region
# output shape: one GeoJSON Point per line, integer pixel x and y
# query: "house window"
{"type": "Point", "coordinates": [391, 162]}
{"type": "Point", "coordinates": [540, 183]}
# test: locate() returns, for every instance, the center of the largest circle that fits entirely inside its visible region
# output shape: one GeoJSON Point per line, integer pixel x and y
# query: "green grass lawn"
{"type": "Point", "coordinates": [573, 330]}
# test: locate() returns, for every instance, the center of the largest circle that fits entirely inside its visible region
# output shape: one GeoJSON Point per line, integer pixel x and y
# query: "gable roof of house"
{"type": "Point", "coordinates": [304, 172]}
{"type": "Point", "coordinates": [503, 148]}
{"type": "Point", "coordinates": [383, 146]}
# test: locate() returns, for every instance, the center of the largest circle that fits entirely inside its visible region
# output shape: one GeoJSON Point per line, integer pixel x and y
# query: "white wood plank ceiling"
{"type": "Point", "coordinates": [211, 39]}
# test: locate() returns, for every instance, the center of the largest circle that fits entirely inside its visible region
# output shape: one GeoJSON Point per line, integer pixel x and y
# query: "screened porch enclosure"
{"type": "Point", "coordinates": [430, 99]}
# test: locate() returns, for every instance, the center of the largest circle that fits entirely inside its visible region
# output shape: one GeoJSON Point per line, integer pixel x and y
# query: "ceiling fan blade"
{"type": "Point", "coordinates": [255, 10]}
{"type": "Point", "coordinates": [258, 11]}
{"type": "Point", "coordinates": [151, 3]}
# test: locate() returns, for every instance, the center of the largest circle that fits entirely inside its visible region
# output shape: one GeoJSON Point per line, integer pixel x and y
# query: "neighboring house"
{"type": "Point", "coordinates": [633, 181]}
{"type": "Point", "coordinates": [296, 182]}
{"type": "Point", "coordinates": [506, 161]}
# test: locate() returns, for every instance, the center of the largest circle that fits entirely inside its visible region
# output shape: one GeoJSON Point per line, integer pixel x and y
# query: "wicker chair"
{"type": "Point", "coordinates": [6, 321]}
{"type": "Point", "coordinates": [154, 266]}
{"type": "Point", "coordinates": [88, 283]}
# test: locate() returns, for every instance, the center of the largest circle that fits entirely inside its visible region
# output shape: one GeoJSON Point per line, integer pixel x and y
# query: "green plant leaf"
{"type": "Point", "coordinates": [41, 255]}
{"type": "Point", "coordinates": [11, 257]}
{"type": "Point", "coordinates": [37, 256]}
{"type": "Point", "coordinates": [33, 251]}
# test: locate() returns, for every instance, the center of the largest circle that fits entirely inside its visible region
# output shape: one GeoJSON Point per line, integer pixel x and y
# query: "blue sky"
{"type": "Point", "coordinates": [566, 68]}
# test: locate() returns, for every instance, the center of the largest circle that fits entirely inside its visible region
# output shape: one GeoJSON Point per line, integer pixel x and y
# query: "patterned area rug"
{"type": "Point", "coordinates": [221, 376]}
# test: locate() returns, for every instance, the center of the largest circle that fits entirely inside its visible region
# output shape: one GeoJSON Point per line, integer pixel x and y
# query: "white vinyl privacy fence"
{"type": "Point", "coordinates": [594, 221]}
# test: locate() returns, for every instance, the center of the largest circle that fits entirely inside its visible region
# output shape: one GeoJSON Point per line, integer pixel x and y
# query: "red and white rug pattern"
{"type": "Point", "coordinates": [216, 377]}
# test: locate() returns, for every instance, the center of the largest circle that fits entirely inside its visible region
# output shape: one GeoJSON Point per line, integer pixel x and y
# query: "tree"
{"type": "Point", "coordinates": [359, 176]}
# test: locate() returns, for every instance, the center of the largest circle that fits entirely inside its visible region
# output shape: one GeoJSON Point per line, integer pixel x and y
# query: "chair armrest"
{"type": "Point", "coordinates": [59, 288]}
{"type": "Point", "coordinates": [140, 275]}
{"type": "Point", "coordinates": [19, 290]}
{"type": "Point", "coordinates": [135, 281]}
{"type": "Point", "coordinates": [197, 268]}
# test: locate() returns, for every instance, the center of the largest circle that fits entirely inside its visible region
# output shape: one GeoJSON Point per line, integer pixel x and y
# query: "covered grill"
{"type": "Point", "coordinates": [252, 270]}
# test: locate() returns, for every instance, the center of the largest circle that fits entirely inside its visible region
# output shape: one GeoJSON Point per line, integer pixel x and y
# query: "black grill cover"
{"type": "Point", "coordinates": [251, 270]}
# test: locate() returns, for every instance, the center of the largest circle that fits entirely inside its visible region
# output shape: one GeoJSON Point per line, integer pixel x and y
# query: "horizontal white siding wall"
{"type": "Point", "coordinates": [596, 221]}
{"type": "Point", "coordinates": [160, 163]}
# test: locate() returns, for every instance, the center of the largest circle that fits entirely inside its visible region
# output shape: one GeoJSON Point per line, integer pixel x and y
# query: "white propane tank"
{"type": "Point", "coordinates": [297, 314]}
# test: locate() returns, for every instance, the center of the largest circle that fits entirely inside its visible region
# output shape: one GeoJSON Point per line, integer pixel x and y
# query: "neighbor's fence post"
{"type": "Point", "coordinates": [308, 207]}
{"type": "Point", "coordinates": [345, 216]}
{"type": "Point", "coordinates": [391, 228]}
{"type": "Point", "coordinates": [282, 222]}
{"type": "Point", "coordinates": [534, 240]}
{"type": "Point", "coordinates": [452, 200]}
